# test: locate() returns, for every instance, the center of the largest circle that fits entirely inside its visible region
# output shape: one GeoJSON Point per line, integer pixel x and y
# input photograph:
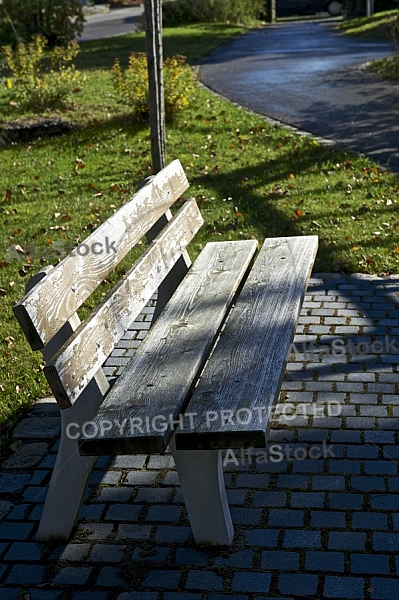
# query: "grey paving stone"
{"type": "Point", "coordinates": [13, 483]}
{"type": "Point", "coordinates": [384, 589]}
{"type": "Point", "coordinates": [155, 554]}
{"type": "Point", "coordinates": [372, 564]}
{"type": "Point", "coordinates": [123, 512]}
{"type": "Point", "coordinates": [191, 556]}
{"type": "Point", "coordinates": [308, 466]}
{"type": "Point", "coordinates": [204, 580]}
{"type": "Point", "coordinates": [3, 547]}
{"type": "Point", "coordinates": [293, 481]}
{"type": "Point", "coordinates": [325, 561]}
{"type": "Point", "coordinates": [114, 494]}
{"type": "Point", "coordinates": [269, 498]}
{"type": "Point", "coordinates": [169, 533]}
{"type": "Point", "coordinates": [24, 551]}
{"type": "Point", "coordinates": [162, 579]}
{"type": "Point", "coordinates": [369, 520]}
{"type": "Point", "coordinates": [171, 478]}
{"type": "Point", "coordinates": [107, 553]}
{"type": "Point", "coordinates": [70, 552]}
{"type": "Point", "coordinates": [368, 483]}
{"type": "Point", "coordinates": [285, 518]}
{"type": "Point", "coordinates": [344, 587]}
{"type": "Point", "coordinates": [385, 501]}
{"type": "Point", "coordinates": [262, 537]}
{"type": "Point", "coordinates": [72, 576]}
{"type": "Point", "coordinates": [246, 581]}
{"type": "Point", "coordinates": [393, 484]}
{"type": "Point", "coordinates": [364, 451]}
{"type": "Point", "coordinates": [10, 593]}
{"type": "Point", "coordinates": [234, 497]}
{"type": "Point", "coordinates": [296, 538]}
{"type": "Point", "coordinates": [112, 577]}
{"type": "Point", "coordinates": [137, 596]}
{"type": "Point", "coordinates": [27, 456]}
{"type": "Point", "coordinates": [133, 532]}
{"type": "Point", "coordinates": [228, 597]}
{"type": "Point", "coordinates": [5, 508]}
{"type": "Point", "coordinates": [346, 501]}
{"type": "Point", "coordinates": [379, 437]}
{"type": "Point", "coordinates": [32, 428]}
{"type": "Point", "coordinates": [297, 583]}
{"type": "Point", "coordinates": [26, 574]}
{"type": "Point", "coordinates": [105, 477]}
{"type": "Point", "coordinates": [183, 596]}
{"type": "Point", "coordinates": [388, 542]}
{"type": "Point", "coordinates": [87, 595]}
{"type": "Point", "coordinates": [140, 478]}
{"type": "Point", "coordinates": [15, 531]}
{"type": "Point", "coordinates": [328, 482]}
{"type": "Point", "coordinates": [307, 499]}
{"type": "Point", "coordinates": [40, 594]}
{"type": "Point", "coordinates": [164, 513]}
{"type": "Point", "coordinates": [35, 494]}
{"type": "Point", "coordinates": [242, 559]}
{"type": "Point", "coordinates": [127, 461]}
{"type": "Point", "coordinates": [96, 531]}
{"type": "Point", "coordinates": [346, 540]}
{"type": "Point", "coordinates": [252, 480]}
{"type": "Point", "coordinates": [153, 495]}
{"type": "Point", "coordinates": [380, 467]}
{"type": "Point", "coordinates": [328, 519]}
{"type": "Point", "coordinates": [346, 437]}
{"type": "Point", "coordinates": [279, 561]}
{"type": "Point", "coordinates": [350, 467]}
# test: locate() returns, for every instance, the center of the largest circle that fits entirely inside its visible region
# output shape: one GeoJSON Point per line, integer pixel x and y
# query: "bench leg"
{"type": "Point", "coordinates": [68, 483]}
{"type": "Point", "coordinates": [201, 478]}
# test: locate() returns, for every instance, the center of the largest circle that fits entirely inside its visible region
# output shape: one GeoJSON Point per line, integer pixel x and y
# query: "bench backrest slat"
{"type": "Point", "coordinates": [48, 306]}
{"type": "Point", "coordinates": [74, 365]}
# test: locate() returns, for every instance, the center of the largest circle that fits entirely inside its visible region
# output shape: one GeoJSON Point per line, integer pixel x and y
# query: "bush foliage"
{"type": "Point", "coordinates": [177, 12]}
{"type": "Point", "coordinates": [59, 21]}
{"type": "Point", "coordinates": [132, 84]}
{"type": "Point", "coordinates": [35, 86]}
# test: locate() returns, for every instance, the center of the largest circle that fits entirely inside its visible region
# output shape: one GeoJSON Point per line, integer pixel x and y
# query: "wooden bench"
{"type": "Point", "coordinates": [227, 316]}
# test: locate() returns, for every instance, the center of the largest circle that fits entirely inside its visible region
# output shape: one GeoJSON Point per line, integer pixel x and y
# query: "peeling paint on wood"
{"type": "Point", "coordinates": [45, 309]}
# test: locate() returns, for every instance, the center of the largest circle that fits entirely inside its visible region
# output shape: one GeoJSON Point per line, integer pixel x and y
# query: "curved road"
{"type": "Point", "coordinates": [111, 23]}
{"type": "Point", "coordinates": [307, 75]}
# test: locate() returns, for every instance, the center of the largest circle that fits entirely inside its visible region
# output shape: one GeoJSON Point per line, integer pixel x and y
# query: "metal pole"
{"type": "Point", "coordinates": [153, 17]}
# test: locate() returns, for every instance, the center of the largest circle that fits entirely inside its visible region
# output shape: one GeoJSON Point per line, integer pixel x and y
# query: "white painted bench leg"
{"type": "Point", "coordinates": [201, 478]}
{"type": "Point", "coordinates": [72, 471]}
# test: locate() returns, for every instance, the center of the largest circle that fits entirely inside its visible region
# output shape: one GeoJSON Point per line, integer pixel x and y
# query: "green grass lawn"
{"type": "Point", "coordinates": [250, 178]}
{"type": "Point", "coordinates": [383, 25]}
{"type": "Point", "coordinates": [378, 25]}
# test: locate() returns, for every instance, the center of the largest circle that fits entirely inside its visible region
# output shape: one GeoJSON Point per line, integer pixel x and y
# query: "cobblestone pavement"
{"type": "Point", "coordinates": [305, 527]}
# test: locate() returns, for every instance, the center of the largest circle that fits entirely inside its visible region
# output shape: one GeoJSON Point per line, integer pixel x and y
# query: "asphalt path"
{"type": "Point", "coordinates": [307, 75]}
{"type": "Point", "coordinates": [111, 23]}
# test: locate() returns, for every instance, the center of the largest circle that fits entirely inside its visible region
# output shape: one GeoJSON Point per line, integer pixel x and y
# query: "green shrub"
{"type": "Point", "coordinates": [34, 86]}
{"type": "Point", "coordinates": [177, 12]}
{"type": "Point", "coordinates": [132, 84]}
{"type": "Point", "coordinates": [60, 21]}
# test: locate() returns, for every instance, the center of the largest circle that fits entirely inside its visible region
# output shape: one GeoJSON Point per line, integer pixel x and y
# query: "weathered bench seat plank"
{"type": "Point", "coordinates": [247, 366]}
{"type": "Point", "coordinates": [154, 385]}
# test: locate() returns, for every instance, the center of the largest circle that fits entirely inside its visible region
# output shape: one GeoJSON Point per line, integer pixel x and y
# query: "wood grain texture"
{"type": "Point", "coordinates": [44, 310]}
{"type": "Point", "coordinates": [76, 363]}
{"type": "Point", "coordinates": [153, 387]}
{"type": "Point", "coordinates": [244, 375]}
